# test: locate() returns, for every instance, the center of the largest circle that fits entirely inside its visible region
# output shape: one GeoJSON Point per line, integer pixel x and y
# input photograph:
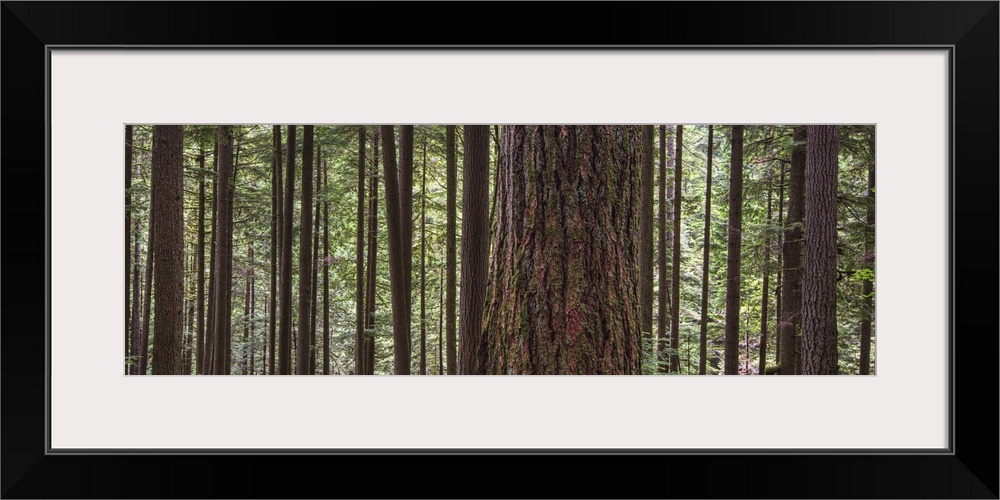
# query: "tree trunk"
{"type": "Point", "coordinates": [707, 243]}
{"type": "Point", "coordinates": [791, 256]}
{"type": "Point", "coordinates": [777, 288]}
{"type": "Point", "coordinates": [275, 222]}
{"type": "Point", "coordinates": [450, 253]}
{"type": "Point", "coordinates": [475, 249]}
{"type": "Point", "coordinates": [314, 307]}
{"type": "Point", "coordinates": [253, 312]}
{"type": "Point", "coordinates": [168, 272]}
{"type": "Point", "coordinates": [735, 242]}
{"type": "Point", "coordinates": [564, 273]}
{"type": "Point", "coordinates": [370, 298]}
{"type": "Point", "coordinates": [675, 275]}
{"type": "Point", "coordinates": [210, 329]}
{"type": "Point", "coordinates": [423, 262]}
{"type": "Point", "coordinates": [128, 248]}
{"type": "Point", "coordinates": [441, 324]}
{"type": "Point", "coordinates": [246, 312]}
{"type": "Point", "coordinates": [819, 277]}
{"type": "Point", "coordinates": [406, 222]}
{"type": "Point", "coordinates": [288, 202]}
{"type": "Point", "coordinates": [359, 285]}
{"type": "Point", "coordinates": [136, 329]}
{"type": "Point", "coordinates": [646, 236]}
{"type": "Point", "coordinates": [189, 336]}
{"type": "Point", "coordinates": [223, 255]}
{"type": "Point", "coordinates": [326, 270]}
{"type": "Point", "coordinates": [868, 288]}
{"type": "Point", "coordinates": [147, 299]}
{"type": "Point", "coordinates": [762, 364]}
{"type": "Point", "coordinates": [661, 265]}
{"type": "Point", "coordinates": [397, 267]}
{"type": "Point", "coordinates": [303, 342]}
{"type": "Point", "coordinates": [200, 350]}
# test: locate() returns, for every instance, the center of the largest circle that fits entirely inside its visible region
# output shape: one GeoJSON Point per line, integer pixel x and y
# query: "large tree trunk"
{"type": "Point", "coordinates": [868, 288]}
{"type": "Point", "coordinates": [397, 267]}
{"type": "Point", "coordinates": [200, 350]}
{"type": "Point", "coordinates": [791, 256]}
{"type": "Point", "coordinates": [288, 202]}
{"type": "Point", "coordinates": [223, 255]}
{"type": "Point", "coordinates": [646, 236]}
{"type": "Point", "coordinates": [275, 222]}
{"type": "Point", "coordinates": [564, 273]}
{"type": "Point", "coordinates": [675, 274]}
{"type": "Point", "coordinates": [370, 299]}
{"type": "Point", "coordinates": [128, 246]}
{"type": "Point", "coordinates": [707, 243]}
{"type": "Point", "coordinates": [450, 254]}
{"type": "Point", "coordinates": [819, 277]}
{"type": "Point", "coordinates": [475, 249]}
{"type": "Point", "coordinates": [661, 264]}
{"type": "Point", "coordinates": [168, 273]}
{"type": "Point", "coordinates": [735, 244]}
{"type": "Point", "coordinates": [305, 255]}
{"type": "Point", "coordinates": [423, 263]}
{"type": "Point", "coordinates": [762, 364]}
{"type": "Point", "coordinates": [406, 221]}
{"type": "Point", "coordinates": [359, 285]}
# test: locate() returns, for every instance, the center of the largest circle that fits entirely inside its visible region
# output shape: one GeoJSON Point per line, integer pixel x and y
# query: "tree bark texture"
{"type": "Point", "coordinates": [168, 270]}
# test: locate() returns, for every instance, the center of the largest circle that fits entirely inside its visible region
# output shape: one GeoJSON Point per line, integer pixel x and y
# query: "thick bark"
{"type": "Point", "coordinates": [359, 285]}
{"type": "Point", "coordinates": [762, 364]}
{"type": "Point", "coordinates": [223, 255]}
{"type": "Point", "coordinates": [285, 296]}
{"type": "Point", "coordinates": [791, 257]}
{"type": "Point", "coordinates": [868, 288]}
{"type": "Point", "coordinates": [675, 274]}
{"type": "Point", "coordinates": [707, 244]}
{"type": "Point", "coordinates": [168, 272]}
{"type": "Point", "coordinates": [275, 222]}
{"type": "Point", "coordinates": [200, 350]}
{"type": "Point", "coordinates": [472, 356]}
{"type": "Point", "coordinates": [370, 297]}
{"type": "Point", "coordinates": [565, 270]}
{"type": "Point", "coordinates": [406, 220]}
{"type": "Point", "coordinates": [646, 234]}
{"type": "Point", "coordinates": [735, 243]}
{"type": "Point", "coordinates": [661, 264]}
{"type": "Point", "coordinates": [129, 334]}
{"type": "Point", "coordinates": [423, 263]}
{"type": "Point", "coordinates": [819, 276]}
{"type": "Point", "coordinates": [303, 342]}
{"type": "Point", "coordinates": [451, 167]}
{"type": "Point", "coordinates": [397, 267]}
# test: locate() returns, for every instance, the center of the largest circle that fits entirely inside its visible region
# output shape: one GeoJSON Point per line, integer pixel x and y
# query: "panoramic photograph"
{"type": "Point", "coordinates": [685, 249]}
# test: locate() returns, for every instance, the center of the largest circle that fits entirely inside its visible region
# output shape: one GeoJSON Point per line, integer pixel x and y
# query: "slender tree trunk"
{"type": "Point", "coordinates": [496, 175]}
{"type": "Point", "coordinates": [707, 243]}
{"type": "Point", "coordinates": [326, 271]}
{"type": "Point", "coordinates": [791, 256]}
{"type": "Point", "coordinates": [675, 275]}
{"type": "Point", "coordinates": [565, 270]}
{"type": "Point", "coordinates": [314, 308]}
{"type": "Point", "coordinates": [210, 329]}
{"type": "Point", "coordinates": [223, 253]}
{"type": "Point", "coordinates": [288, 202]}
{"type": "Point", "coordinates": [275, 222]}
{"type": "Point", "coordinates": [423, 262]}
{"type": "Point", "coordinates": [253, 313]}
{"type": "Point", "coordinates": [200, 350]}
{"type": "Point", "coordinates": [646, 236]}
{"type": "Point", "coordinates": [475, 249]}
{"type": "Point", "coordinates": [406, 221]}
{"type": "Point", "coordinates": [819, 276]}
{"type": "Point", "coordinates": [303, 342]}
{"type": "Point", "coordinates": [762, 364]}
{"type": "Point", "coordinates": [359, 286]}
{"type": "Point", "coordinates": [661, 264]}
{"type": "Point", "coordinates": [246, 312]}
{"type": "Point", "coordinates": [136, 329]}
{"type": "Point", "coordinates": [868, 288]}
{"type": "Point", "coordinates": [370, 297]}
{"type": "Point", "coordinates": [780, 273]}
{"type": "Point", "coordinates": [451, 167]}
{"type": "Point", "coordinates": [441, 324]}
{"type": "Point", "coordinates": [189, 335]}
{"type": "Point", "coordinates": [128, 247]}
{"type": "Point", "coordinates": [735, 245]}
{"type": "Point", "coordinates": [397, 265]}
{"type": "Point", "coordinates": [168, 273]}
{"type": "Point", "coordinates": [147, 300]}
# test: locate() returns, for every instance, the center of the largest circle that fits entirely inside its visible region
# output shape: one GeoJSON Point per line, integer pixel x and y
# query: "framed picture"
{"type": "Point", "coordinates": [917, 80]}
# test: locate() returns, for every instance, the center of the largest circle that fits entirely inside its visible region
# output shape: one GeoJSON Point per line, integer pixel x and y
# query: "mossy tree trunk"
{"type": "Point", "coordinates": [646, 234]}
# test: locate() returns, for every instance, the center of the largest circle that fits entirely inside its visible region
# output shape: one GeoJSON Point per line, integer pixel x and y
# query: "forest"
{"type": "Point", "coordinates": [499, 249]}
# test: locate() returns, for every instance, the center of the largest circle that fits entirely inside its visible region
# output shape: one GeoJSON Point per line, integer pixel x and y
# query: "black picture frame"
{"type": "Point", "coordinates": [969, 30]}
